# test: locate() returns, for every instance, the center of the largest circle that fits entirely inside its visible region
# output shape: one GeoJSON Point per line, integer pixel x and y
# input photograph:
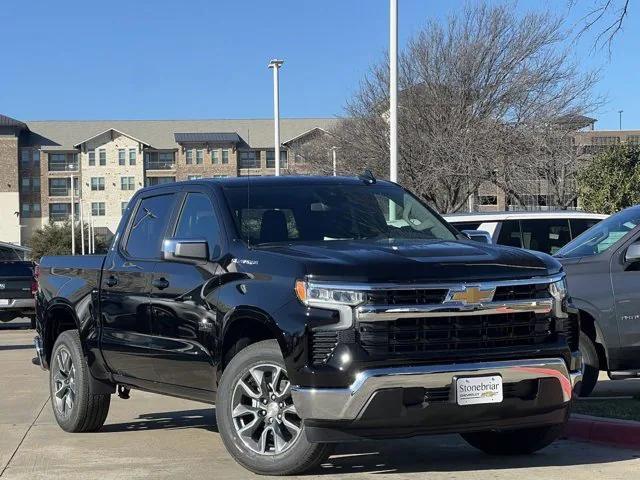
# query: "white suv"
{"type": "Point", "coordinates": [543, 231]}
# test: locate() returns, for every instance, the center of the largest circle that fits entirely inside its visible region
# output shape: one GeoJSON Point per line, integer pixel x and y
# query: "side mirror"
{"type": "Point", "coordinates": [633, 253]}
{"type": "Point", "coordinates": [185, 251]}
{"type": "Point", "coordinates": [478, 236]}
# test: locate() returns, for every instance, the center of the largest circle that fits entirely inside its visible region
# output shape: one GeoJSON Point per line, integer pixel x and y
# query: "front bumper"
{"type": "Point", "coordinates": [352, 403]}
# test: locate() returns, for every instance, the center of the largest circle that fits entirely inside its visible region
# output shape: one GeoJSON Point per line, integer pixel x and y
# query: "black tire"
{"type": "Point", "coordinates": [87, 411]}
{"type": "Point", "coordinates": [299, 457]}
{"type": "Point", "coordinates": [514, 442]}
{"type": "Point", "coordinates": [32, 321]}
{"type": "Point", "coordinates": [590, 366]}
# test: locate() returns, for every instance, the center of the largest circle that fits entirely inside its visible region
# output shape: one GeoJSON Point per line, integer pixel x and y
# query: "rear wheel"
{"type": "Point", "coordinates": [75, 406]}
{"type": "Point", "coordinates": [257, 419]}
{"type": "Point", "coordinates": [514, 442]}
{"type": "Point", "coordinates": [590, 365]}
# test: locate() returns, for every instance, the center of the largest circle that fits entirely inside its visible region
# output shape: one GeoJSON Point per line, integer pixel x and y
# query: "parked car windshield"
{"type": "Point", "coordinates": [602, 236]}
{"type": "Point", "coordinates": [274, 213]}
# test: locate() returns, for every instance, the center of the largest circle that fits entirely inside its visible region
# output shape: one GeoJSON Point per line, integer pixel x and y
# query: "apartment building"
{"type": "Point", "coordinates": [45, 165]}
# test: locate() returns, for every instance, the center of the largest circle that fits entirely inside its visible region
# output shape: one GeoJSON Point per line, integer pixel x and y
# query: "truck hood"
{"type": "Point", "coordinates": [413, 261]}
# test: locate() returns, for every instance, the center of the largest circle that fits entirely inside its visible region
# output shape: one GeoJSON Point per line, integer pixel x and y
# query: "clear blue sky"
{"type": "Point", "coordinates": [163, 59]}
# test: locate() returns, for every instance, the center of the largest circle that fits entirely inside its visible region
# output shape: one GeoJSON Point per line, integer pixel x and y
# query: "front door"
{"type": "Point", "coordinates": [182, 300]}
{"type": "Point", "coordinates": [127, 335]}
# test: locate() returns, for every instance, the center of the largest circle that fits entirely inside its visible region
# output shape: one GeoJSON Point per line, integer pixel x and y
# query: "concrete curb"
{"type": "Point", "coordinates": [607, 431]}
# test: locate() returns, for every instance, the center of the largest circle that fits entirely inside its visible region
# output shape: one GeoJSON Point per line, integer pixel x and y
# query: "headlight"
{"type": "Point", "coordinates": [310, 293]}
{"type": "Point", "coordinates": [558, 289]}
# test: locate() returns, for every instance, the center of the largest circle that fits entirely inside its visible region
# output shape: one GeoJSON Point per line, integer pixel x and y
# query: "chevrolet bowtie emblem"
{"type": "Point", "coordinates": [471, 295]}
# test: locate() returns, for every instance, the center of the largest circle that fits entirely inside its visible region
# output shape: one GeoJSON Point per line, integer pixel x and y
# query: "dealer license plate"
{"type": "Point", "coordinates": [476, 390]}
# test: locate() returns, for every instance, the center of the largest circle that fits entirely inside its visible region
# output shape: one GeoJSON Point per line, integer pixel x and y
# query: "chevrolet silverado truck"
{"type": "Point", "coordinates": [311, 311]}
{"type": "Point", "coordinates": [17, 289]}
{"type": "Point", "coordinates": [603, 276]}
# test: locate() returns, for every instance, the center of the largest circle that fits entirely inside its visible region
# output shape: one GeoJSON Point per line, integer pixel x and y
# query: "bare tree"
{"type": "Point", "coordinates": [606, 15]}
{"type": "Point", "coordinates": [472, 91]}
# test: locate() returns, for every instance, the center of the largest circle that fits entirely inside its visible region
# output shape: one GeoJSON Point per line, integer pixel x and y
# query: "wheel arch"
{"type": "Point", "coordinates": [589, 325]}
{"type": "Point", "coordinates": [59, 316]}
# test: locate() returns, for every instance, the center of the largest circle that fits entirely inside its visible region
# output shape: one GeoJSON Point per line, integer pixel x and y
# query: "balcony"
{"type": "Point", "coordinates": [159, 161]}
{"type": "Point", "coordinates": [63, 162]}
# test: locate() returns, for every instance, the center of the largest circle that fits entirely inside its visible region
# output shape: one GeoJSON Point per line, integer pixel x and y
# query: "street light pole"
{"type": "Point", "coordinates": [275, 66]}
{"type": "Point", "coordinates": [620, 117]}
{"type": "Point", "coordinates": [393, 90]}
{"type": "Point", "coordinates": [73, 219]}
{"type": "Point", "coordinates": [333, 154]}
{"type": "Point", "coordinates": [81, 225]}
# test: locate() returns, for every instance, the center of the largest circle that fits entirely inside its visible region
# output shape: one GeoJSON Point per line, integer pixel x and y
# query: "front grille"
{"type": "Point", "coordinates": [450, 334]}
{"type": "Point", "coordinates": [521, 292]}
{"type": "Point", "coordinates": [571, 329]}
{"type": "Point", "coordinates": [406, 297]}
{"type": "Point", "coordinates": [323, 343]}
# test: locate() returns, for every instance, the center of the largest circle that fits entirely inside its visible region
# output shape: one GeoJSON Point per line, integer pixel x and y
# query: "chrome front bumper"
{"type": "Point", "coordinates": [349, 403]}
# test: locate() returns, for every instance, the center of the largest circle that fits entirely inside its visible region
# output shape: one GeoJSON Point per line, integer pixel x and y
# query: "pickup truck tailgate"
{"type": "Point", "coordinates": [16, 279]}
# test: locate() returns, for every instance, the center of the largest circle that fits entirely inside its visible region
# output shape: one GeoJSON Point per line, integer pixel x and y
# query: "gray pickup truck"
{"type": "Point", "coordinates": [603, 276]}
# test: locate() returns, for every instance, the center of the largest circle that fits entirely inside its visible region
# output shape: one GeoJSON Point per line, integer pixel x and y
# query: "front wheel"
{"type": "Point", "coordinates": [590, 365]}
{"type": "Point", "coordinates": [514, 442]}
{"type": "Point", "coordinates": [75, 406]}
{"type": "Point", "coordinates": [257, 419]}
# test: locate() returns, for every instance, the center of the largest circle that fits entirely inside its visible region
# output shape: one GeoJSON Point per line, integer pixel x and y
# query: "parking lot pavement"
{"type": "Point", "coordinates": [151, 436]}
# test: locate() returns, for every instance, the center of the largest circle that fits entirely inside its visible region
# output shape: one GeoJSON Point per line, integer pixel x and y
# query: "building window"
{"type": "Point", "coordinates": [97, 183]}
{"type": "Point", "coordinates": [127, 183]}
{"type": "Point", "coordinates": [194, 177]}
{"type": "Point", "coordinates": [60, 162]}
{"type": "Point", "coordinates": [35, 208]}
{"type": "Point", "coordinates": [225, 156]}
{"type": "Point", "coordinates": [132, 156]}
{"type": "Point", "coordinates": [26, 209]}
{"type": "Point", "coordinates": [122, 156]}
{"type": "Point", "coordinates": [35, 184]}
{"type": "Point", "coordinates": [487, 199]}
{"type": "Point", "coordinates": [61, 211]}
{"type": "Point", "coordinates": [249, 159]}
{"type": "Point", "coordinates": [605, 140]}
{"type": "Point", "coordinates": [633, 139]}
{"type": "Point", "coordinates": [102, 156]}
{"type": "Point", "coordinates": [61, 187]}
{"type": "Point", "coordinates": [97, 209]}
{"type": "Point", "coordinates": [92, 158]}
{"type": "Point", "coordinates": [189, 157]}
{"type": "Point", "coordinates": [199, 157]}
{"type": "Point", "coordinates": [160, 160]}
{"type": "Point", "coordinates": [25, 159]}
{"type": "Point", "coordinates": [221, 176]}
{"type": "Point", "coordinates": [26, 184]}
{"type": "Point", "coordinates": [36, 160]}
{"type": "Point", "coordinates": [271, 159]}
{"type": "Point", "coordinates": [159, 180]}
{"type": "Point", "coordinates": [123, 207]}
{"type": "Point", "coordinates": [214, 157]}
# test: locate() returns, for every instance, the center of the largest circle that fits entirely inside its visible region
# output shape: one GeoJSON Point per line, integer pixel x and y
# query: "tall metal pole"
{"type": "Point", "coordinates": [620, 115]}
{"type": "Point", "coordinates": [393, 90]}
{"type": "Point", "coordinates": [333, 154]}
{"type": "Point", "coordinates": [275, 66]}
{"type": "Point", "coordinates": [92, 242]}
{"type": "Point", "coordinates": [81, 225]}
{"type": "Point", "coordinates": [73, 219]}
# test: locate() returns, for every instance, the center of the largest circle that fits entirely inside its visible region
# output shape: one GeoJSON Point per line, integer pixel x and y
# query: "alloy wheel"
{"type": "Point", "coordinates": [64, 382]}
{"type": "Point", "coordinates": [264, 415]}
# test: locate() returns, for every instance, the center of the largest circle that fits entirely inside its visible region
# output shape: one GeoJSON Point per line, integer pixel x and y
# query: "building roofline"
{"type": "Point", "coordinates": [112, 130]}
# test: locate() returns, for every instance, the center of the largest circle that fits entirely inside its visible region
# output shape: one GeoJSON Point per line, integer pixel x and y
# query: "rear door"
{"type": "Point", "coordinates": [182, 302]}
{"type": "Point", "coordinates": [127, 339]}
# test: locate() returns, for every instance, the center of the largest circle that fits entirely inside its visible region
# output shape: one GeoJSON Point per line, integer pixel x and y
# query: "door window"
{"type": "Point", "coordinates": [198, 220]}
{"type": "Point", "coordinates": [545, 235]}
{"type": "Point", "coordinates": [579, 225]}
{"type": "Point", "coordinates": [148, 227]}
{"type": "Point", "coordinates": [510, 233]}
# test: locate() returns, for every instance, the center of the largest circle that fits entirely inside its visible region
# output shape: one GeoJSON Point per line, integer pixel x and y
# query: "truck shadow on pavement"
{"type": "Point", "coordinates": [204, 418]}
{"type": "Point", "coordinates": [443, 453]}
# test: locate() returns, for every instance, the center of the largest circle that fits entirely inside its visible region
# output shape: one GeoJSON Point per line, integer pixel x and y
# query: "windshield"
{"type": "Point", "coordinates": [332, 212]}
{"type": "Point", "coordinates": [602, 236]}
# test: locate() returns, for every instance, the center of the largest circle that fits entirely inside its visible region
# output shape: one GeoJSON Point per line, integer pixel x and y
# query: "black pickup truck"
{"type": "Point", "coordinates": [311, 311]}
